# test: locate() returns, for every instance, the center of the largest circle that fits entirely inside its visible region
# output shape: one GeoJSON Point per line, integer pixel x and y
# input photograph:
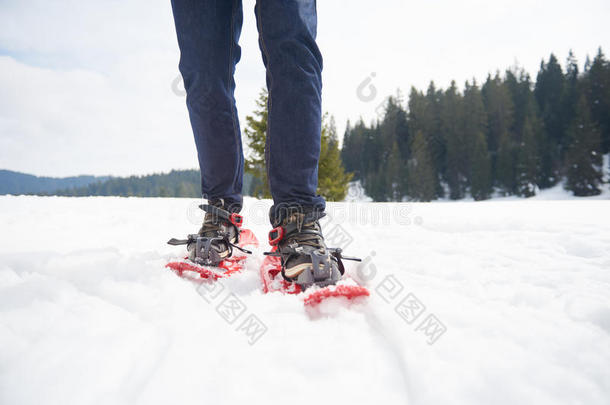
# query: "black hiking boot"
{"type": "Point", "coordinates": [305, 258]}
{"type": "Point", "coordinates": [217, 237]}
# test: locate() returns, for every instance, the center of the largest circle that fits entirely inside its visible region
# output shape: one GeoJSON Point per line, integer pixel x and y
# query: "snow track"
{"type": "Point", "coordinates": [513, 295]}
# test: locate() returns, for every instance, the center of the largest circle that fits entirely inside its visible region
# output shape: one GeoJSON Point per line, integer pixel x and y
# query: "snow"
{"type": "Point", "coordinates": [517, 291]}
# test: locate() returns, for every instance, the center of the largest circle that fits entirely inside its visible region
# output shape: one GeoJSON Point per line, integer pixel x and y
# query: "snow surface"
{"type": "Point", "coordinates": [521, 289]}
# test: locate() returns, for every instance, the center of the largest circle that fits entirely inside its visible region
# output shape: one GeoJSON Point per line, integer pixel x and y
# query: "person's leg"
{"type": "Point", "coordinates": [287, 32]}
{"type": "Point", "coordinates": [208, 33]}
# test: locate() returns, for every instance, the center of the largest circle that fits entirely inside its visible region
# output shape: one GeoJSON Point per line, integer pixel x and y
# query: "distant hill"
{"type": "Point", "coordinates": [177, 183]}
{"type": "Point", "coordinates": [21, 183]}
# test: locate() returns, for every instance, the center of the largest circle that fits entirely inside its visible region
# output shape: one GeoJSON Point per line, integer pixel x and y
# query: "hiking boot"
{"type": "Point", "coordinates": [305, 258]}
{"type": "Point", "coordinates": [217, 237]}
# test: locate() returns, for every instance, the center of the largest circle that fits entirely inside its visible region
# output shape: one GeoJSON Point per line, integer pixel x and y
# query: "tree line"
{"type": "Point", "coordinates": [510, 135]}
{"type": "Point", "coordinates": [177, 183]}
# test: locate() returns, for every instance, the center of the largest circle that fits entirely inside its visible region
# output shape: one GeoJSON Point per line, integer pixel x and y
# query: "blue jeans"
{"type": "Point", "coordinates": [208, 33]}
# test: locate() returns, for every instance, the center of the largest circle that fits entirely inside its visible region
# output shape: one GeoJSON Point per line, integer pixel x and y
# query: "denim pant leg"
{"type": "Point", "coordinates": [287, 32]}
{"type": "Point", "coordinates": [208, 33]}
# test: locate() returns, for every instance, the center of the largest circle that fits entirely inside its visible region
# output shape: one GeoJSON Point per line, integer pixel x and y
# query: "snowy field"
{"type": "Point", "coordinates": [498, 302]}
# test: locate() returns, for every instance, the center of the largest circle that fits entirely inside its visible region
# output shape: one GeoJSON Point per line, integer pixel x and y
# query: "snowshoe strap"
{"type": "Point", "coordinates": [176, 242]}
{"type": "Point", "coordinates": [233, 218]}
{"type": "Point", "coordinates": [280, 232]}
{"type": "Point", "coordinates": [240, 248]}
{"type": "Point", "coordinates": [338, 253]}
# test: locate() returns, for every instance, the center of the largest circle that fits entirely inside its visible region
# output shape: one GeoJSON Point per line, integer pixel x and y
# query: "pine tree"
{"type": "Point", "coordinates": [376, 184]}
{"type": "Point", "coordinates": [450, 127]}
{"type": "Point", "coordinates": [422, 176]}
{"type": "Point", "coordinates": [480, 176]}
{"type": "Point", "coordinates": [417, 111]}
{"type": "Point", "coordinates": [424, 116]}
{"type": "Point", "coordinates": [583, 157]}
{"type": "Point", "coordinates": [597, 86]}
{"type": "Point", "coordinates": [475, 160]}
{"type": "Point", "coordinates": [519, 85]}
{"type": "Point", "coordinates": [373, 151]}
{"type": "Point", "coordinates": [549, 91]}
{"type": "Point", "coordinates": [256, 135]}
{"type": "Point", "coordinates": [527, 161]}
{"type": "Point", "coordinates": [393, 169]}
{"type": "Point", "coordinates": [394, 126]}
{"type": "Point", "coordinates": [505, 165]}
{"type": "Point", "coordinates": [542, 167]}
{"type": "Point", "coordinates": [569, 98]}
{"type": "Point", "coordinates": [353, 151]}
{"type": "Point", "coordinates": [434, 135]}
{"type": "Point", "coordinates": [394, 137]}
{"type": "Point", "coordinates": [499, 108]}
{"type": "Point", "coordinates": [332, 178]}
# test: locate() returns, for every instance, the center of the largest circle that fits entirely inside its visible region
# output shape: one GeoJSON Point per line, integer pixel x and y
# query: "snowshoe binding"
{"type": "Point", "coordinates": [219, 234]}
{"type": "Point", "coordinates": [305, 259]}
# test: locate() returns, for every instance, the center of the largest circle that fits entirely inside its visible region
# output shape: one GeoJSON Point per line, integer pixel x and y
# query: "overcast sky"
{"type": "Point", "coordinates": [86, 86]}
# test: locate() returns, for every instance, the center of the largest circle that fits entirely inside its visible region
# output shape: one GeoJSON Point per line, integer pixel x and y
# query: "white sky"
{"type": "Point", "coordinates": [85, 86]}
